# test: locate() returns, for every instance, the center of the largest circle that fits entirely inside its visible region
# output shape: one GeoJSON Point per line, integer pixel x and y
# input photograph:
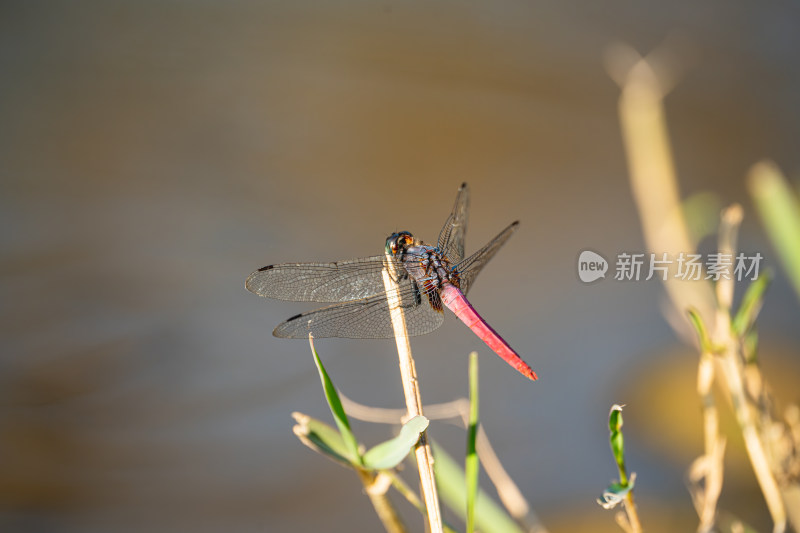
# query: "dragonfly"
{"type": "Point", "coordinates": [427, 279]}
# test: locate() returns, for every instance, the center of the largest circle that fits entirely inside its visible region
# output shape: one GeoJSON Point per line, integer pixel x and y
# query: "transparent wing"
{"type": "Point", "coordinates": [471, 266]}
{"type": "Point", "coordinates": [341, 281]}
{"type": "Point", "coordinates": [451, 238]}
{"type": "Point", "coordinates": [367, 318]}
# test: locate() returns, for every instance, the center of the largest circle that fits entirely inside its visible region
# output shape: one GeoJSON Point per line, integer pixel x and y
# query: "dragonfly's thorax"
{"type": "Point", "coordinates": [429, 266]}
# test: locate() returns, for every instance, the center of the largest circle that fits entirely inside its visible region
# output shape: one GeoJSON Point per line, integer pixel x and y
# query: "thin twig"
{"type": "Point", "coordinates": [413, 399]}
{"type": "Point", "coordinates": [633, 514]}
{"type": "Point", "coordinates": [375, 486]}
{"type": "Point", "coordinates": [709, 467]}
{"type": "Point", "coordinates": [384, 415]}
{"type": "Point", "coordinates": [407, 492]}
{"type": "Point", "coordinates": [622, 521]}
{"type": "Point", "coordinates": [654, 182]}
{"type": "Point", "coordinates": [732, 369]}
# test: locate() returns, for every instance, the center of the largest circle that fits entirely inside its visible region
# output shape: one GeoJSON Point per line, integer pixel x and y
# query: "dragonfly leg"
{"type": "Point", "coordinates": [417, 293]}
{"type": "Point", "coordinates": [398, 274]}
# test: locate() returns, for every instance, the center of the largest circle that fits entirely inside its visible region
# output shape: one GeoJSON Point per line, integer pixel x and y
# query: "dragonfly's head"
{"type": "Point", "coordinates": [399, 242]}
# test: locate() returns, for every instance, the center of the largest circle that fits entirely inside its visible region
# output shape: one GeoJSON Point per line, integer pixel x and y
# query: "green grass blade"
{"type": "Point", "coordinates": [490, 517]}
{"type": "Point", "coordinates": [323, 439]}
{"type": "Point", "coordinates": [779, 208]}
{"type": "Point", "coordinates": [335, 404]}
{"type": "Point", "coordinates": [617, 442]}
{"type": "Point", "coordinates": [700, 329]}
{"type": "Point", "coordinates": [471, 464]}
{"type": "Point", "coordinates": [750, 347]}
{"type": "Point", "coordinates": [390, 453]}
{"type": "Point", "coordinates": [616, 492]}
{"type": "Point", "coordinates": [751, 304]}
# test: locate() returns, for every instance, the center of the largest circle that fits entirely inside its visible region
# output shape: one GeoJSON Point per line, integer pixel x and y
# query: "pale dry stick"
{"type": "Point", "coordinates": [631, 512]}
{"type": "Point", "coordinates": [731, 219]}
{"type": "Point", "coordinates": [731, 364]}
{"type": "Point", "coordinates": [388, 415]}
{"type": "Point", "coordinates": [376, 486]}
{"type": "Point", "coordinates": [413, 398]}
{"type": "Point", "coordinates": [507, 490]}
{"type": "Point", "coordinates": [622, 521]}
{"type": "Point", "coordinates": [653, 179]}
{"type": "Point", "coordinates": [709, 467]}
{"type": "Point", "coordinates": [407, 492]}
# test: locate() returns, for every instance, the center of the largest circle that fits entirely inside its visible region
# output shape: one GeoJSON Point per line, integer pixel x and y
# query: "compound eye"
{"type": "Point", "coordinates": [398, 241]}
{"type": "Point", "coordinates": [392, 243]}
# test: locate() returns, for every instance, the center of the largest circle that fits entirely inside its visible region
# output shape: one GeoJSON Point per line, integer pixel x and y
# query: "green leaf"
{"type": "Point", "coordinates": [390, 453]}
{"type": "Point", "coordinates": [778, 205]}
{"type": "Point", "coordinates": [700, 329]}
{"type": "Point", "coordinates": [617, 441]}
{"type": "Point", "coordinates": [335, 404]}
{"type": "Point", "coordinates": [323, 439]}
{"type": "Point", "coordinates": [751, 304]}
{"type": "Point", "coordinates": [490, 517]}
{"type": "Point", "coordinates": [472, 464]}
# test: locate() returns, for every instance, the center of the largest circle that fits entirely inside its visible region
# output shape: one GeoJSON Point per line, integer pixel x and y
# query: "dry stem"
{"type": "Point", "coordinates": [376, 486]}
{"type": "Point", "coordinates": [413, 399]}
{"type": "Point", "coordinates": [708, 468]}
{"type": "Point", "coordinates": [731, 364]}
{"type": "Point", "coordinates": [630, 510]}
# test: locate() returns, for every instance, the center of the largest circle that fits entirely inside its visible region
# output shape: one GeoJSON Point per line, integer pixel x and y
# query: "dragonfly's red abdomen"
{"type": "Point", "coordinates": [455, 300]}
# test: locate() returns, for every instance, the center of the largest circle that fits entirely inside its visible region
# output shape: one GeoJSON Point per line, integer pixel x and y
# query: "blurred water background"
{"type": "Point", "coordinates": [153, 154]}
